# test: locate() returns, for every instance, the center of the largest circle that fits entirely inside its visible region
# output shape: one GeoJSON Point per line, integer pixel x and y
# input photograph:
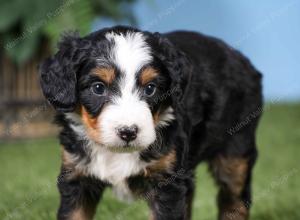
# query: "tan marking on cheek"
{"type": "Point", "coordinates": [165, 163]}
{"type": "Point", "coordinates": [105, 74]}
{"type": "Point", "coordinates": [156, 118]}
{"type": "Point", "coordinates": [87, 119]}
{"type": "Point", "coordinates": [91, 124]}
{"type": "Point", "coordinates": [157, 115]}
{"type": "Point", "coordinates": [148, 75]}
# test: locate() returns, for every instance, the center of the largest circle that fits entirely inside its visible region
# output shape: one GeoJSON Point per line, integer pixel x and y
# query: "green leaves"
{"type": "Point", "coordinates": [10, 12]}
{"type": "Point", "coordinates": [23, 47]}
{"type": "Point", "coordinates": [73, 15]}
{"type": "Point", "coordinates": [21, 26]}
{"type": "Point", "coordinates": [24, 23]}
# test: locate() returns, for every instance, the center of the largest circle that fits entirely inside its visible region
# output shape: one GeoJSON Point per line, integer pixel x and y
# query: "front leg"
{"type": "Point", "coordinates": [79, 196]}
{"type": "Point", "coordinates": [170, 200]}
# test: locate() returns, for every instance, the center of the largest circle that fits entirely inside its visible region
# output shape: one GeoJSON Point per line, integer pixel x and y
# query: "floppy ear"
{"type": "Point", "coordinates": [58, 75]}
{"type": "Point", "coordinates": [179, 68]}
{"type": "Point", "coordinates": [177, 65]}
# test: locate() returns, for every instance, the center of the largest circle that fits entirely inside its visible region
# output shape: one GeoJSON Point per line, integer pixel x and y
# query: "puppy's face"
{"type": "Point", "coordinates": [120, 94]}
{"type": "Point", "coordinates": [122, 88]}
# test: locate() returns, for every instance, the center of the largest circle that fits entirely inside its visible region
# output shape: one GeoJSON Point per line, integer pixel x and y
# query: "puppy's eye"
{"type": "Point", "coordinates": [150, 89]}
{"type": "Point", "coordinates": [98, 88]}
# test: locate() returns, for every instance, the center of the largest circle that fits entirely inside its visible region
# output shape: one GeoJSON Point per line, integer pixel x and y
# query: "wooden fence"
{"type": "Point", "coordinates": [23, 109]}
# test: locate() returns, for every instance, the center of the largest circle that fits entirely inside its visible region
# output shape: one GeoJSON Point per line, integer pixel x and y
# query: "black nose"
{"type": "Point", "coordinates": [127, 133]}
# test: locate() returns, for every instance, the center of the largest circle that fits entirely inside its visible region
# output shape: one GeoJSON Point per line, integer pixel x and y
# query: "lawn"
{"type": "Point", "coordinates": [28, 171]}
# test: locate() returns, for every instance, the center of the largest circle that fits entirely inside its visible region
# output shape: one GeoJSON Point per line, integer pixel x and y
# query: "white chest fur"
{"type": "Point", "coordinates": [115, 168]}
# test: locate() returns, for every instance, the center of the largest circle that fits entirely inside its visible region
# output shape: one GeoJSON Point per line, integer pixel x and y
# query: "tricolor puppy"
{"type": "Point", "coordinates": [139, 111]}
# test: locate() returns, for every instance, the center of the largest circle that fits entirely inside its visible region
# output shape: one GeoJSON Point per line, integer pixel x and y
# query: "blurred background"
{"type": "Point", "coordinates": [267, 32]}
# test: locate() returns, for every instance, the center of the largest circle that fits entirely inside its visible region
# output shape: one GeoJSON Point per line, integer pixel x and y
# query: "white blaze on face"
{"type": "Point", "coordinates": [129, 53]}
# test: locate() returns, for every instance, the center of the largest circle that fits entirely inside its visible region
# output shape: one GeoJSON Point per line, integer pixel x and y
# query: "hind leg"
{"type": "Point", "coordinates": [189, 199]}
{"type": "Point", "coordinates": [233, 176]}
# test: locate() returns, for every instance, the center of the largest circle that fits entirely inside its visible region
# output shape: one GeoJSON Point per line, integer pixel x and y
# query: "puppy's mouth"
{"type": "Point", "coordinates": [125, 148]}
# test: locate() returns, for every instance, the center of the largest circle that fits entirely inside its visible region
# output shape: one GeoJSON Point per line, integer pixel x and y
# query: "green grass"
{"type": "Point", "coordinates": [28, 173]}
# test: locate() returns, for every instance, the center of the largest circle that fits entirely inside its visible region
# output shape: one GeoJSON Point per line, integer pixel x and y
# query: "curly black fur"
{"type": "Point", "coordinates": [216, 89]}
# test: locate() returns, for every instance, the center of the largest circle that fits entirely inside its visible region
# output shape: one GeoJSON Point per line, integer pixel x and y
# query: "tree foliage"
{"type": "Point", "coordinates": [23, 24]}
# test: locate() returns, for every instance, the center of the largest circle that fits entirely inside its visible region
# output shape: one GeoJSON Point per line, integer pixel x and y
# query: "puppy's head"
{"type": "Point", "coordinates": [124, 84]}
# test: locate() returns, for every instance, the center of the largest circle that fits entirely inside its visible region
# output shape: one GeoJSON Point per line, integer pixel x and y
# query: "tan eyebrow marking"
{"type": "Point", "coordinates": [147, 75]}
{"type": "Point", "coordinates": [105, 74]}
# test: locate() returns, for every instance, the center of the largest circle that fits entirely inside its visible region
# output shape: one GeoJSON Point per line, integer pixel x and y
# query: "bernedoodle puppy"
{"type": "Point", "coordinates": [139, 111]}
